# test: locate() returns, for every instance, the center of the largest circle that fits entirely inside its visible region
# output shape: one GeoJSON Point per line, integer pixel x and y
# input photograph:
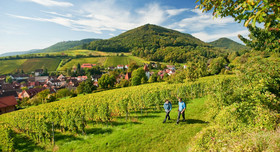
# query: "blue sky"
{"type": "Point", "coordinates": [37, 24]}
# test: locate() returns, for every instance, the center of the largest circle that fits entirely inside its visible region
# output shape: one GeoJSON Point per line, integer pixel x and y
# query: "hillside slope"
{"type": "Point", "coordinates": [99, 121]}
{"type": "Point", "coordinates": [65, 45]}
{"type": "Point", "coordinates": [228, 44]}
{"type": "Point", "coordinates": [58, 47]}
{"type": "Point", "coordinates": [19, 53]}
{"type": "Point", "coordinates": [147, 36]}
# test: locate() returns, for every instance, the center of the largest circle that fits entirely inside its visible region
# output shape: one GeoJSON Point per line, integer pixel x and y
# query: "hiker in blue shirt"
{"type": "Point", "coordinates": [167, 107]}
{"type": "Point", "coordinates": [181, 110]}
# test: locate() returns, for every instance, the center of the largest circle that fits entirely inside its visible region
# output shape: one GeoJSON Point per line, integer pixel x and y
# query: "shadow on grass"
{"type": "Point", "coordinates": [139, 116]}
{"type": "Point", "coordinates": [65, 137]}
{"type": "Point", "coordinates": [24, 144]}
{"type": "Point", "coordinates": [98, 131]}
{"type": "Point", "coordinates": [195, 121]}
{"type": "Point", "coordinates": [113, 123]}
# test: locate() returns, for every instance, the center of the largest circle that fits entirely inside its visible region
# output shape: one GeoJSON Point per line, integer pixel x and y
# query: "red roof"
{"type": "Point", "coordinates": [7, 101]}
{"type": "Point", "coordinates": [34, 91]}
{"type": "Point", "coordinates": [146, 68]}
{"type": "Point", "coordinates": [86, 65]}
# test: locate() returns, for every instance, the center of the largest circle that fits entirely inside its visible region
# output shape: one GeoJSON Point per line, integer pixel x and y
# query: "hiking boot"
{"type": "Point", "coordinates": [163, 121]}
{"type": "Point", "coordinates": [184, 120]}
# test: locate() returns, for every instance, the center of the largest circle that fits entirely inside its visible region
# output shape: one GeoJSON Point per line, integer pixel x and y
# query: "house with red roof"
{"type": "Point", "coordinates": [30, 93]}
{"type": "Point", "coordinates": [87, 65]}
{"type": "Point", "coordinates": [128, 76]}
{"type": "Point", "coordinates": [120, 67]}
{"type": "Point", "coordinates": [171, 67]}
{"type": "Point", "coordinates": [7, 104]}
{"type": "Point", "coordinates": [82, 78]}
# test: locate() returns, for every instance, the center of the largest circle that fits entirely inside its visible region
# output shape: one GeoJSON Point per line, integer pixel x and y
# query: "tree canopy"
{"type": "Point", "coordinates": [249, 11]}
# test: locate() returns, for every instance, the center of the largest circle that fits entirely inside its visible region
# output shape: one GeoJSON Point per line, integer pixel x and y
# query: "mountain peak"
{"type": "Point", "coordinates": [229, 44]}
{"type": "Point", "coordinates": [148, 36]}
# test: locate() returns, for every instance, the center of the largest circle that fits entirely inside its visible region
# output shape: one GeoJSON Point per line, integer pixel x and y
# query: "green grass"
{"type": "Point", "coordinates": [138, 60]}
{"type": "Point", "coordinates": [32, 64]}
{"type": "Point", "coordinates": [9, 66]}
{"type": "Point", "coordinates": [85, 52]}
{"type": "Point", "coordinates": [122, 60]}
{"type": "Point", "coordinates": [144, 132]}
{"type": "Point", "coordinates": [117, 60]}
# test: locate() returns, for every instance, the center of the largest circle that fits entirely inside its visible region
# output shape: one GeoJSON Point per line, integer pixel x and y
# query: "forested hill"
{"type": "Point", "coordinates": [228, 44]}
{"type": "Point", "coordinates": [65, 45]}
{"type": "Point", "coordinates": [157, 43]}
{"type": "Point", "coordinates": [148, 37]}
{"type": "Point", "coordinates": [19, 53]}
{"type": "Point", "coordinates": [58, 47]}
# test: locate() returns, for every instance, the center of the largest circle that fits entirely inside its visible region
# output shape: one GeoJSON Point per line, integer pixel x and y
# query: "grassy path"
{"type": "Point", "coordinates": [144, 133]}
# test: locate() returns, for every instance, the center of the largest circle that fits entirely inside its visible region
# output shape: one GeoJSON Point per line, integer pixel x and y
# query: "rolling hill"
{"type": "Point", "coordinates": [19, 53]}
{"type": "Point", "coordinates": [58, 47]}
{"type": "Point", "coordinates": [228, 44]}
{"type": "Point", "coordinates": [66, 45]}
{"type": "Point", "coordinates": [147, 36]}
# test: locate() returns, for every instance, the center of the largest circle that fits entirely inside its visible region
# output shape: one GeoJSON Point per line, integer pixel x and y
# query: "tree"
{"type": "Point", "coordinates": [63, 93]}
{"type": "Point", "coordinates": [249, 11]}
{"type": "Point", "coordinates": [153, 78]}
{"type": "Point", "coordinates": [123, 83]}
{"type": "Point", "coordinates": [86, 86]}
{"type": "Point", "coordinates": [178, 77]}
{"type": "Point", "coordinates": [78, 69]}
{"type": "Point", "coordinates": [89, 87]}
{"type": "Point", "coordinates": [202, 68]}
{"type": "Point", "coordinates": [136, 80]}
{"type": "Point", "coordinates": [43, 95]}
{"type": "Point", "coordinates": [192, 71]}
{"type": "Point", "coordinates": [80, 88]}
{"type": "Point", "coordinates": [138, 76]}
{"type": "Point", "coordinates": [217, 65]}
{"type": "Point", "coordinates": [262, 40]}
{"type": "Point", "coordinates": [106, 81]}
{"type": "Point", "coordinates": [9, 79]}
{"type": "Point", "coordinates": [45, 71]}
{"type": "Point", "coordinates": [132, 66]}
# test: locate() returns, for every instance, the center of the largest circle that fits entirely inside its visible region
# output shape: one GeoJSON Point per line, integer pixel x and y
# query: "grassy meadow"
{"type": "Point", "coordinates": [9, 66]}
{"type": "Point", "coordinates": [38, 63]}
{"type": "Point", "coordinates": [144, 132]}
{"type": "Point", "coordinates": [141, 132]}
{"type": "Point", "coordinates": [117, 60]}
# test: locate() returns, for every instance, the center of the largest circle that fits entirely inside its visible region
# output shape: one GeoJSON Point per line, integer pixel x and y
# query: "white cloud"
{"type": "Point", "coordinates": [173, 12]}
{"type": "Point", "coordinates": [51, 3]}
{"type": "Point", "coordinates": [58, 20]}
{"type": "Point", "coordinates": [210, 37]}
{"type": "Point", "coordinates": [108, 15]}
{"type": "Point", "coordinates": [58, 14]}
{"type": "Point", "coordinates": [200, 21]}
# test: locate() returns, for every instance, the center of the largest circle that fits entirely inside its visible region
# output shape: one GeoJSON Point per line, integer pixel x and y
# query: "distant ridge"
{"type": "Point", "coordinates": [58, 47]}
{"type": "Point", "coordinates": [228, 44]}
{"type": "Point", "coordinates": [19, 53]}
{"type": "Point", "coordinates": [65, 45]}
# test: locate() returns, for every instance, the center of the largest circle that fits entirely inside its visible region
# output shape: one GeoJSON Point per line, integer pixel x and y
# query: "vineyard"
{"type": "Point", "coordinates": [73, 115]}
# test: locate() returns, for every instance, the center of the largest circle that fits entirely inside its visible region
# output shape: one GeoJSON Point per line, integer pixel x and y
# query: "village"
{"type": "Point", "coordinates": [15, 88]}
